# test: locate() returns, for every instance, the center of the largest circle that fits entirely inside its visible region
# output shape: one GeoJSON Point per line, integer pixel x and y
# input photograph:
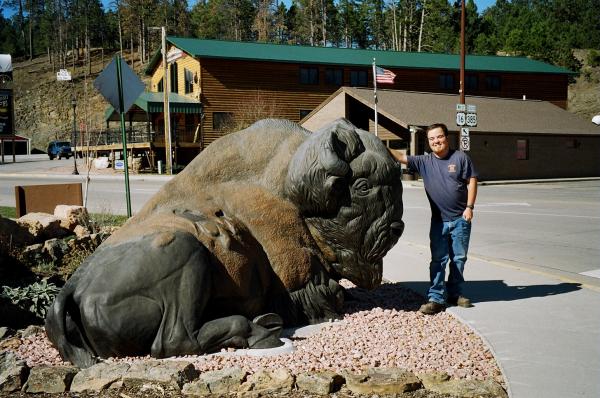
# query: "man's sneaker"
{"type": "Point", "coordinates": [431, 308]}
{"type": "Point", "coordinates": [460, 301]}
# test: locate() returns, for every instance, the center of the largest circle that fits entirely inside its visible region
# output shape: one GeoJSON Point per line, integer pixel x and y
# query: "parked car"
{"type": "Point", "coordinates": [59, 149]}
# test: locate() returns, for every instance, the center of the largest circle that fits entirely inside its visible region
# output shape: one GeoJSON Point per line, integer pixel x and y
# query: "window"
{"type": "Point", "coordinates": [189, 81]}
{"type": "Point", "coordinates": [334, 76]}
{"type": "Point", "coordinates": [522, 149]}
{"type": "Point", "coordinates": [471, 82]}
{"type": "Point", "coordinates": [173, 76]}
{"type": "Point", "coordinates": [447, 81]}
{"type": "Point", "coordinates": [572, 143]}
{"type": "Point", "coordinates": [222, 120]}
{"type": "Point", "coordinates": [492, 83]}
{"type": "Point", "coordinates": [358, 78]}
{"type": "Point", "coordinates": [304, 112]}
{"type": "Point", "coordinates": [309, 75]}
{"type": "Point", "coordinates": [160, 87]}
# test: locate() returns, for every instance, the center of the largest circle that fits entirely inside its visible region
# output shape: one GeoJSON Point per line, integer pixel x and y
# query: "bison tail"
{"type": "Point", "coordinates": [63, 328]}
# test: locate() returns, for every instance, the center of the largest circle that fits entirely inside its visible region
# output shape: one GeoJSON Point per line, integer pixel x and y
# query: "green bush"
{"type": "Point", "coordinates": [593, 58]}
{"type": "Point", "coordinates": [35, 298]}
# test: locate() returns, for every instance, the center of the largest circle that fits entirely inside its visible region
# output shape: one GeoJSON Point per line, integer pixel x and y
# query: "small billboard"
{"type": "Point", "coordinates": [6, 112]}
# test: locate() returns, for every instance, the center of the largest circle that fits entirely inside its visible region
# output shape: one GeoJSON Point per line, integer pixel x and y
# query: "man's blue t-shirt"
{"type": "Point", "coordinates": [445, 182]}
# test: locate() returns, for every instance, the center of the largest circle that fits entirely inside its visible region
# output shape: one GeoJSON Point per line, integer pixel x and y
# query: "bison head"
{"type": "Point", "coordinates": [348, 187]}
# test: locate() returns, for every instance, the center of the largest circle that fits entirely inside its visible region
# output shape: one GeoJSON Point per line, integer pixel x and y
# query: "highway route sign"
{"type": "Point", "coordinates": [470, 120]}
{"type": "Point", "coordinates": [465, 143]}
{"type": "Point", "coordinates": [461, 118]}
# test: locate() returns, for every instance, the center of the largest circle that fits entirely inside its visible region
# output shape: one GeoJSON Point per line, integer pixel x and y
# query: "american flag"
{"type": "Point", "coordinates": [384, 76]}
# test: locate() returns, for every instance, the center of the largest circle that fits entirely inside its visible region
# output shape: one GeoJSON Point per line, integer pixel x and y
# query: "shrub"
{"type": "Point", "coordinates": [593, 58]}
{"type": "Point", "coordinates": [35, 298]}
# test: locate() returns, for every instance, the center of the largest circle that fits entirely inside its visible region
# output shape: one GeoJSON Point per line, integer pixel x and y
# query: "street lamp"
{"type": "Point", "coordinates": [74, 136]}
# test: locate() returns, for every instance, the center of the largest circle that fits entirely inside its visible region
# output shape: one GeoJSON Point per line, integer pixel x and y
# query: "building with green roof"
{"type": "Point", "coordinates": [239, 82]}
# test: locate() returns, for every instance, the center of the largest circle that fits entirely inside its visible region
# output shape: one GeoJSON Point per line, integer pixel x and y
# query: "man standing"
{"type": "Point", "coordinates": [450, 182]}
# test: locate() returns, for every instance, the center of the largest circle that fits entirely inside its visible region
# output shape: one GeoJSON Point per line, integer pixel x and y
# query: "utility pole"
{"type": "Point", "coordinates": [166, 108]}
{"type": "Point", "coordinates": [74, 135]}
{"type": "Point", "coordinates": [462, 52]}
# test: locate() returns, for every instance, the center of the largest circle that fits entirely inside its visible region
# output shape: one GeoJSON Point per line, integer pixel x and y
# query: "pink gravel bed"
{"type": "Point", "coordinates": [381, 328]}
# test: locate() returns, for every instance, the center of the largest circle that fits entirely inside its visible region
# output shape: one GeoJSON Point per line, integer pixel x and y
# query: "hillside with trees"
{"type": "Point", "coordinates": [81, 35]}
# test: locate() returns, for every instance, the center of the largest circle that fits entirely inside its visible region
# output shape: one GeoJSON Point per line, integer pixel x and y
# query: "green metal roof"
{"type": "Point", "coordinates": [352, 57]}
{"type": "Point", "coordinates": [153, 103]}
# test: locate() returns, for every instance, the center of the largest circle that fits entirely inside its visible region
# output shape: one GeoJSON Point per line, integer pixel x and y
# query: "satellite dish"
{"type": "Point", "coordinates": [596, 120]}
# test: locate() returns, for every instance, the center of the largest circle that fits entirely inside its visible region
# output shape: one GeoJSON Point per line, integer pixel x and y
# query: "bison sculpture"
{"type": "Point", "coordinates": [254, 234]}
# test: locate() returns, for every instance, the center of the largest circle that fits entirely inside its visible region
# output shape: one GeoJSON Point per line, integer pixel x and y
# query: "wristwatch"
{"type": "Point", "coordinates": [471, 206]}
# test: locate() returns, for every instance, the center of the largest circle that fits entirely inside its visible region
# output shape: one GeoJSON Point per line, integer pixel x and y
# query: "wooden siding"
{"type": "Point", "coordinates": [250, 89]}
{"type": "Point", "coordinates": [255, 89]}
{"type": "Point", "coordinates": [546, 87]}
{"type": "Point", "coordinates": [185, 62]}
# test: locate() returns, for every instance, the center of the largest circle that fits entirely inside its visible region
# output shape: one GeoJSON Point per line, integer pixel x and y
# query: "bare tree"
{"type": "Point", "coordinates": [421, 25]}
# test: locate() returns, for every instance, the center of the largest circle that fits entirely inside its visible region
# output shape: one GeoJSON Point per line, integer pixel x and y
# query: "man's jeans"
{"type": "Point", "coordinates": [449, 240]}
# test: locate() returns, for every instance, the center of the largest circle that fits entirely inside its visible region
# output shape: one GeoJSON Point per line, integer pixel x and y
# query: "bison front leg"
{"type": "Point", "coordinates": [239, 332]}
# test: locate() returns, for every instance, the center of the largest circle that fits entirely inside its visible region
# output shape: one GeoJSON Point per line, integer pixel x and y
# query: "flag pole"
{"type": "Point", "coordinates": [375, 95]}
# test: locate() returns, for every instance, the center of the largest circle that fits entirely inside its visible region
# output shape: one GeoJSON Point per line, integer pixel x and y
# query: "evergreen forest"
{"type": "Point", "coordinates": [546, 30]}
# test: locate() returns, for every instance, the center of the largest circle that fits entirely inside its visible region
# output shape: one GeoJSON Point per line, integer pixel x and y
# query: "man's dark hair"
{"type": "Point", "coordinates": [436, 126]}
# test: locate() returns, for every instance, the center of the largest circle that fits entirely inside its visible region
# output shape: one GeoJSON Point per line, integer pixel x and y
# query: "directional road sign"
{"type": "Point", "coordinates": [174, 54]}
{"type": "Point", "coordinates": [63, 75]}
{"type": "Point", "coordinates": [464, 131]}
{"type": "Point", "coordinates": [108, 85]}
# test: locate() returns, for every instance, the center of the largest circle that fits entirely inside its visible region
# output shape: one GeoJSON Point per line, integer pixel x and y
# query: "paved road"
{"type": "Point", "coordinates": [105, 193]}
{"type": "Point", "coordinates": [549, 227]}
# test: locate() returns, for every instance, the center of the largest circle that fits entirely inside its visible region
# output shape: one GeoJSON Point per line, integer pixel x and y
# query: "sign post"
{"type": "Point", "coordinates": [121, 96]}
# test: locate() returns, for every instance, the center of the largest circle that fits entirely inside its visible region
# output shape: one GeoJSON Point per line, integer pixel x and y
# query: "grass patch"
{"type": "Point", "coordinates": [8, 212]}
{"type": "Point", "coordinates": [107, 219]}
{"type": "Point", "coordinates": [98, 218]}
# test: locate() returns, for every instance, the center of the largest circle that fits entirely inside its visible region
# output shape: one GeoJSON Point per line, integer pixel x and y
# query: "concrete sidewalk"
{"type": "Point", "coordinates": [543, 331]}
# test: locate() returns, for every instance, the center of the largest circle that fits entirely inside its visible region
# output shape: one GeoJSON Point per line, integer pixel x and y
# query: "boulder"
{"type": "Point", "coordinates": [72, 216]}
{"type": "Point", "coordinates": [13, 372]}
{"type": "Point", "coordinates": [81, 231]}
{"type": "Point", "coordinates": [14, 233]}
{"type": "Point", "coordinates": [34, 254]}
{"type": "Point", "coordinates": [264, 382]}
{"type": "Point", "coordinates": [466, 388]}
{"type": "Point", "coordinates": [321, 383]}
{"type": "Point", "coordinates": [98, 377]}
{"type": "Point", "coordinates": [50, 379]}
{"type": "Point", "coordinates": [223, 381]}
{"type": "Point", "coordinates": [55, 249]}
{"type": "Point", "coordinates": [382, 381]}
{"type": "Point", "coordinates": [43, 226]}
{"type": "Point", "coordinates": [172, 373]}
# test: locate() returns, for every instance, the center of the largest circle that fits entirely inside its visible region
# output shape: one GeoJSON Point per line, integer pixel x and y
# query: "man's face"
{"type": "Point", "coordinates": [438, 142]}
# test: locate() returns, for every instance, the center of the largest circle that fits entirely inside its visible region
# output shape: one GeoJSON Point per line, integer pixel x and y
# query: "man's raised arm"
{"type": "Point", "coordinates": [399, 155]}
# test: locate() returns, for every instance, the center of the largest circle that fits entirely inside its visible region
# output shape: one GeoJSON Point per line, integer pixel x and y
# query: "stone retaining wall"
{"type": "Point", "coordinates": [181, 377]}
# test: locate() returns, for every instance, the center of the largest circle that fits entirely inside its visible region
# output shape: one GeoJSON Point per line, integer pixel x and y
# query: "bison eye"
{"type": "Point", "coordinates": [361, 186]}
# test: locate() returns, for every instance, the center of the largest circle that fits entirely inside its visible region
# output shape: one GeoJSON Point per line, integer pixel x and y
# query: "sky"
{"type": "Point", "coordinates": [481, 5]}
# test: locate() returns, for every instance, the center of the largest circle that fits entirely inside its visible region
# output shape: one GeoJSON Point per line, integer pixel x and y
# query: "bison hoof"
{"type": "Point", "coordinates": [269, 321]}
